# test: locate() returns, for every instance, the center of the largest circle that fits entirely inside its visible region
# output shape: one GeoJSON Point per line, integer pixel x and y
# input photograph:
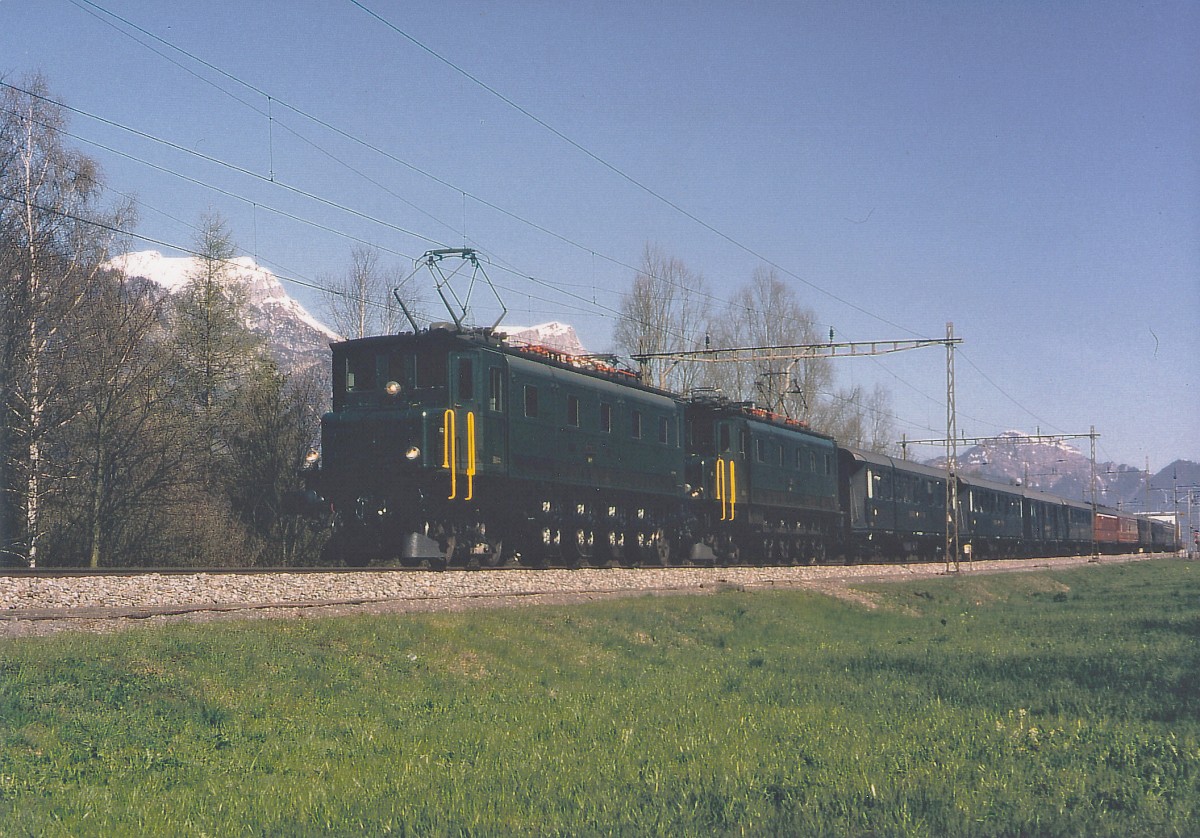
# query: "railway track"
{"type": "Point", "coordinates": [45, 602]}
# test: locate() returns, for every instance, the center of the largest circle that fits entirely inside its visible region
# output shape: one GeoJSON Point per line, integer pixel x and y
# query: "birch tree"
{"type": "Point", "coordinates": [53, 240]}
{"type": "Point", "coordinates": [361, 303]}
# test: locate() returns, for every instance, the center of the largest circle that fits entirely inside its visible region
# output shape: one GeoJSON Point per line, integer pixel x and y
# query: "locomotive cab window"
{"type": "Point", "coordinates": [360, 371]}
{"type": "Point", "coordinates": [431, 369]}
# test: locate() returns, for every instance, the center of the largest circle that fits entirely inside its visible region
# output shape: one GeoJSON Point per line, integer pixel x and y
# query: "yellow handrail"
{"type": "Point", "coordinates": [450, 451]}
{"type": "Point", "coordinates": [470, 455]}
{"type": "Point", "coordinates": [732, 489]}
{"type": "Point", "coordinates": [721, 485]}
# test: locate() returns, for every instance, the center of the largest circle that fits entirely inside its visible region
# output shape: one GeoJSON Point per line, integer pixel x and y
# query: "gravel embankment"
{"type": "Point", "coordinates": [43, 605]}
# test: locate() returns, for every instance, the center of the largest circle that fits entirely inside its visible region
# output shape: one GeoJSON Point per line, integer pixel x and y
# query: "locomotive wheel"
{"type": "Point", "coordinates": [616, 549]}
{"type": "Point", "coordinates": [660, 548]}
{"type": "Point", "coordinates": [493, 554]}
{"type": "Point", "coordinates": [577, 546]}
{"type": "Point", "coordinates": [602, 550]}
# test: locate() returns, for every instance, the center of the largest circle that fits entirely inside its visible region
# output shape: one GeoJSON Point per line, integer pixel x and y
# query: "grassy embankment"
{"type": "Point", "coordinates": [1046, 703]}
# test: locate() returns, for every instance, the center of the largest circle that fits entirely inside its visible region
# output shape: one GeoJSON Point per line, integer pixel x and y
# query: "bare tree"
{"type": "Point", "coordinates": [858, 418]}
{"type": "Point", "coordinates": [121, 451]}
{"type": "Point", "coordinates": [667, 309]}
{"type": "Point", "coordinates": [53, 240]}
{"type": "Point", "coordinates": [766, 313]}
{"type": "Point", "coordinates": [361, 303]}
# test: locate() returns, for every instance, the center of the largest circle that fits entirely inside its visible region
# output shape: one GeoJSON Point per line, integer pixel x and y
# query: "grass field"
{"type": "Point", "coordinates": [1049, 703]}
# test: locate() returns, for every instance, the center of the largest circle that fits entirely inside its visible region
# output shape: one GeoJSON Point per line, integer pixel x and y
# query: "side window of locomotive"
{"type": "Point", "coordinates": [573, 411]}
{"type": "Point", "coordinates": [466, 380]}
{"type": "Point", "coordinates": [760, 450]}
{"type": "Point", "coordinates": [664, 430]}
{"type": "Point", "coordinates": [606, 417]}
{"type": "Point", "coordinates": [496, 389]}
{"type": "Point", "coordinates": [635, 424]}
{"type": "Point", "coordinates": [531, 401]}
{"type": "Point", "coordinates": [744, 442]}
{"type": "Point", "coordinates": [724, 447]}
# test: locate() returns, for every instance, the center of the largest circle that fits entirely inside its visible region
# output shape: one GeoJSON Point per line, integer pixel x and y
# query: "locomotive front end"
{"type": "Point", "coordinates": [382, 446]}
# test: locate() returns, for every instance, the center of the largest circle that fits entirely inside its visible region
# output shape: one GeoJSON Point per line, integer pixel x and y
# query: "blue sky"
{"type": "Point", "coordinates": [1027, 170]}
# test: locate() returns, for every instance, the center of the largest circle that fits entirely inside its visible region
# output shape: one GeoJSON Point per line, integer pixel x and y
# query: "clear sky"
{"type": "Point", "coordinates": [1027, 170]}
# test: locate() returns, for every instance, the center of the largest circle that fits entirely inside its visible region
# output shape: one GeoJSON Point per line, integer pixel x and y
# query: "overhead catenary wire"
{"type": "Point", "coordinates": [657, 195]}
{"type": "Point", "coordinates": [96, 10]}
{"type": "Point", "coordinates": [557, 287]}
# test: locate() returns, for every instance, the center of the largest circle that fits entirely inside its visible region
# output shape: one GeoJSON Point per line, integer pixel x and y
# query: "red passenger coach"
{"type": "Point", "coordinates": [1116, 532]}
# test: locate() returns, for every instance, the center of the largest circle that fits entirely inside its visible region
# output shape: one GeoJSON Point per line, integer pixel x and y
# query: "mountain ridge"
{"type": "Point", "coordinates": [1061, 469]}
{"type": "Point", "coordinates": [294, 338]}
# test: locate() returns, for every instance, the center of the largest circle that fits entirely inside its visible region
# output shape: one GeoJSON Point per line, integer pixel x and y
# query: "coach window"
{"type": "Point", "coordinates": [496, 389]}
{"type": "Point", "coordinates": [606, 417]}
{"type": "Point", "coordinates": [573, 411]}
{"type": "Point", "coordinates": [635, 424]}
{"type": "Point", "coordinates": [828, 465]}
{"type": "Point", "coordinates": [531, 401]}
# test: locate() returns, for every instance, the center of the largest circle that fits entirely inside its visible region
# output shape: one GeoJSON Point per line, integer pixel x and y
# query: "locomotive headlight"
{"type": "Point", "coordinates": [412, 453]}
{"type": "Point", "coordinates": [392, 388]}
{"type": "Point", "coordinates": [312, 459]}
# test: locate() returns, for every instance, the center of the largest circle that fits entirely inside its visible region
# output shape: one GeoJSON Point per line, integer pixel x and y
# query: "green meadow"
{"type": "Point", "coordinates": [1044, 703]}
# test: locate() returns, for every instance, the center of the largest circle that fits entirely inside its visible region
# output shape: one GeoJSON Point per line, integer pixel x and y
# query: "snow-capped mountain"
{"type": "Point", "coordinates": [560, 337]}
{"type": "Point", "coordinates": [1062, 469]}
{"type": "Point", "coordinates": [296, 340]}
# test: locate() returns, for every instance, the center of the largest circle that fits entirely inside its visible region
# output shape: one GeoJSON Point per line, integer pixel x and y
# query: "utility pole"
{"type": "Point", "coordinates": [1095, 549]}
{"type": "Point", "coordinates": [953, 545]}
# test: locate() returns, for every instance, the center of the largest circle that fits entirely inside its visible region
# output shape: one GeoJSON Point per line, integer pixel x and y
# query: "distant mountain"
{"type": "Point", "coordinates": [1064, 470]}
{"type": "Point", "coordinates": [294, 338]}
{"type": "Point", "coordinates": [560, 337]}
